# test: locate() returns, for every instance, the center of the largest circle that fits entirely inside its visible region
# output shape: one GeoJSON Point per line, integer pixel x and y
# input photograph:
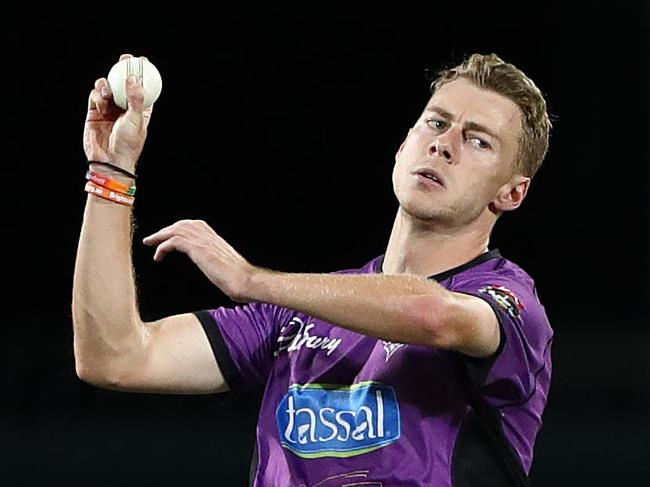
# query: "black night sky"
{"type": "Point", "coordinates": [279, 127]}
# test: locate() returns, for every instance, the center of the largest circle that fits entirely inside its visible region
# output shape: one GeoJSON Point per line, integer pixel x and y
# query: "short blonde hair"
{"type": "Point", "coordinates": [492, 73]}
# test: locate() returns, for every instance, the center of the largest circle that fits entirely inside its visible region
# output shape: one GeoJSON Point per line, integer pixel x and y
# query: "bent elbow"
{"type": "Point", "coordinates": [96, 375]}
{"type": "Point", "coordinates": [103, 360]}
{"type": "Point", "coordinates": [85, 373]}
{"type": "Point", "coordinates": [104, 372]}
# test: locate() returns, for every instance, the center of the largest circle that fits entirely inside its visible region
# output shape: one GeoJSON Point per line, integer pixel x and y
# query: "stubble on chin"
{"type": "Point", "coordinates": [416, 209]}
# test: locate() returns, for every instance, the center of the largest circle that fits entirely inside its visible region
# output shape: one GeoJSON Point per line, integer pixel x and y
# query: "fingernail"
{"type": "Point", "coordinates": [105, 92]}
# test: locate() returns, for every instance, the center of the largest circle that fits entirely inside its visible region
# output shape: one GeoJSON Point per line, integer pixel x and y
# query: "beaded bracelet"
{"type": "Point", "coordinates": [107, 194]}
{"type": "Point", "coordinates": [106, 182]}
{"type": "Point", "coordinates": [113, 166]}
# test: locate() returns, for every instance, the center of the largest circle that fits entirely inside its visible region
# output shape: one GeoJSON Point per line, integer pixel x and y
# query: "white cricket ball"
{"type": "Point", "coordinates": [149, 77]}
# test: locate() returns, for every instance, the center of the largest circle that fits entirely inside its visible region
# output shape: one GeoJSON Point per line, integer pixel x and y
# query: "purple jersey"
{"type": "Point", "coordinates": [341, 408]}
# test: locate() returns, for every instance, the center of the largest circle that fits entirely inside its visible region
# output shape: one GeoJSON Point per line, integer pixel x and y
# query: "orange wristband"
{"type": "Point", "coordinates": [106, 182]}
{"type": "Point", "coordinates": [108, 194]}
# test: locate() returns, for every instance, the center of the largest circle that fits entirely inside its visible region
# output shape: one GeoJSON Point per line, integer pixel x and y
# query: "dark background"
{"type": "Point", "coordinates": [278, 127]}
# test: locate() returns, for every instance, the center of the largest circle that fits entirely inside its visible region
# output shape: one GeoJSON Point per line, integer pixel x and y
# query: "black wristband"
{"type": "Point", "coordinates": [117, 168]}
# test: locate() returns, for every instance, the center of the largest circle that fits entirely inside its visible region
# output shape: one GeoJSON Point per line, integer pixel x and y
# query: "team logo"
{"type": "Point", "coordinates": [505, 298]}
{"type": "Point", "coordinates": [326, 420]}
{"type": "Point", "coordinates": [390, 348]}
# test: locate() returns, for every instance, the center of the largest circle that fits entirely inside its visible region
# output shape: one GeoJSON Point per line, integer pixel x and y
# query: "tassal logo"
{"type": "Point", "coordinates": [325, 420]}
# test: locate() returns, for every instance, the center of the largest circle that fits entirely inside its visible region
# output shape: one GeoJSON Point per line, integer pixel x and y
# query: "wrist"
{"type": "Point", "coordinates": [110, 183]}
{"type": "Point", "coordinates": [116, 171]}
{"type": "Point", "coordinates": [127, 164]}
{"type": "Point", "coordinates": [258, 285]}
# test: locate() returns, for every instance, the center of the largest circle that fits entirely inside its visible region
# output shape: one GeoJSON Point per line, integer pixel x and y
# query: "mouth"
{"type": "Point", "coordinates": [429, 176]}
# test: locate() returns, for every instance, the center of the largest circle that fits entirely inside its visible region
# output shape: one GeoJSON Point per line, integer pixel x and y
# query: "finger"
{"type": "Point", "coordinates": [135, 97]}
{"type": "Point", "coordinates": [125, 56]}
{"type": "Point", "coordinates": [93, 100]}
{"type": "Point", "coordinates": [175, 243]}
{"type": "Point", "coordinates": [104, 88]}
{"type": "Point", "coordinates": [146, 115]}
{"type": "Point", "coordinates": [98, 106]}
{"type": "Point", "coordinates": [161, 235]}
{"type": "Point", "coordinates": [181, 228]}
{"type": "Point", "coordinates": [100, 102]}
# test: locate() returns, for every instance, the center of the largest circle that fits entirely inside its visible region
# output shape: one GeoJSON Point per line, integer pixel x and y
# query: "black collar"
{"type": "Point", "coordinates": [492, 254]}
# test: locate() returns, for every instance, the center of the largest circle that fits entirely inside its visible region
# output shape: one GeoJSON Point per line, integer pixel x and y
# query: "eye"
{"type": "Point", "coordinates": [436, 124]}
{"type": "Point", "coordinates": [479, 143]}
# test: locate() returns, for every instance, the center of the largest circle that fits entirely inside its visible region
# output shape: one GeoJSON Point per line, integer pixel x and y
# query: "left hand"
{"type": "Point", "coordinates": [225, 268]}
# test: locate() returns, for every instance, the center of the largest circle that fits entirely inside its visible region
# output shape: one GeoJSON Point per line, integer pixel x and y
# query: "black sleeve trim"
{"type": "Point", "coordinates": [218, 345]}
{"type": "Point", "coordinates": [479, 368]}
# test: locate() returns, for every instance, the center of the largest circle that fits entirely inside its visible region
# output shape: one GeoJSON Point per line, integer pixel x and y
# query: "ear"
{"type": "Point", "coordinates": [511, 195]}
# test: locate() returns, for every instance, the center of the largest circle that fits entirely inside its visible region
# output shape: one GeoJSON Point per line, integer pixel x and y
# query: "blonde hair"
{"type": "Point", "coordinates": [492, 73]}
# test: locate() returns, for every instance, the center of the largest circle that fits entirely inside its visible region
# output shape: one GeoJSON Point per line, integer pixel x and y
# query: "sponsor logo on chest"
{"type": "Point", "coordinates": [298, 334]}
{"type": "Point", "coordinates": [325, 420]}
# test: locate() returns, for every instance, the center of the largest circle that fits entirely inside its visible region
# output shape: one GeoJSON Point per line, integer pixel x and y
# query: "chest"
{"type": "Point", "coordinates": [312, 351]}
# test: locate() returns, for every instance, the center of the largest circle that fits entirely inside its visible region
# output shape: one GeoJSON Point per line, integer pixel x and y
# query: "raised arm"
{"type": "Point", "coordinates": [399, 308]}
{"type": "Point", "coordinates": [113, 347]}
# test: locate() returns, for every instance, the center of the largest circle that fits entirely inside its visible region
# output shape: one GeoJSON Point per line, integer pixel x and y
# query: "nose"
{"type": "Point", "coordinates": [442, 149]}
{"type": "Point", "coordinates": [445, 145]}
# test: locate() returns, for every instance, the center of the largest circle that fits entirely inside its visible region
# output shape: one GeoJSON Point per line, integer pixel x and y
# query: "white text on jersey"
{"type": "Point", "coordinates": [302, 338]}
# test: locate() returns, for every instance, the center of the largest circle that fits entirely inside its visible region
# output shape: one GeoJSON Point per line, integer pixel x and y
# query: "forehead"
{"type": "Point", "coordinates": [467, 102]}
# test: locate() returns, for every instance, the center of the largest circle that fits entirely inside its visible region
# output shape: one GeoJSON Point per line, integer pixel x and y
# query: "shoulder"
{"type": "Point", "coordinates": [498, 268]}
{"type": "Point", "coordinates": [498, 277]}
{"type": "Point", "coordinates": [510, 291]}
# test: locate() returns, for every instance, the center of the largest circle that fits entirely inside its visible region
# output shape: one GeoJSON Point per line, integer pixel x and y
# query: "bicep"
{"type": "Point", "coordinates": [176, 358]}
{"type": "Point", "coordinates": [471, 325]}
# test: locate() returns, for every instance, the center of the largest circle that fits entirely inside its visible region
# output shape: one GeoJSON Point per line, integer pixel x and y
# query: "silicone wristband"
{"type": "Point", "coordinates": [106, 182]}
{"type": "Point", "coordinates": [108, 194]}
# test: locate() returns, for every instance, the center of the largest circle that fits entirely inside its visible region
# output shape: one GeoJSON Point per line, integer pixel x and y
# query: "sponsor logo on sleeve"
{"type": "Point", "coordinates": [505, 298]}
{"type": "Point", "coordinates": [325, 420]}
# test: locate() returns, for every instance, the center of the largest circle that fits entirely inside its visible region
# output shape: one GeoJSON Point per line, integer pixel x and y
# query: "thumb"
{"type": "Point", "coordinates": [135, 98]}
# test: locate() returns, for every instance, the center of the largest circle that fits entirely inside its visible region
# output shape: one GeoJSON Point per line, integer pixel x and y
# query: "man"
{"type": "Point", "coordinates": [427, 366]}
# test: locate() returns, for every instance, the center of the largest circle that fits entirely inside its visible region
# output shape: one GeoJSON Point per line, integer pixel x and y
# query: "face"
{"type": "Point", "coordinates": [457, 161]}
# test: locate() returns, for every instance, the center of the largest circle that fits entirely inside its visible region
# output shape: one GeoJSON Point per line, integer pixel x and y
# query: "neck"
{"type": "Point", "coordinates": [426, 251]}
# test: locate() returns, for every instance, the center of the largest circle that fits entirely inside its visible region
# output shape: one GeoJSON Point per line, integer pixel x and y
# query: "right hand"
{"type": "Point", "coordinates": [112, 134]}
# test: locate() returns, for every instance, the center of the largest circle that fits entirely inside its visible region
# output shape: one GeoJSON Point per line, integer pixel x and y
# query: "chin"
{"type": "Point", "coordinates": [424, 210]}
{"type": "Point", "coordinates": [418, 211]}
{"type": "Point", "coordinates": [416, 201]}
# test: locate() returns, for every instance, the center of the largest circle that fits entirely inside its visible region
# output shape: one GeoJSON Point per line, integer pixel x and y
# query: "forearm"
{"type": "Point", "coordinates": [104, 310]}
{"type": "Point", "coordinates": [399, 308]}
